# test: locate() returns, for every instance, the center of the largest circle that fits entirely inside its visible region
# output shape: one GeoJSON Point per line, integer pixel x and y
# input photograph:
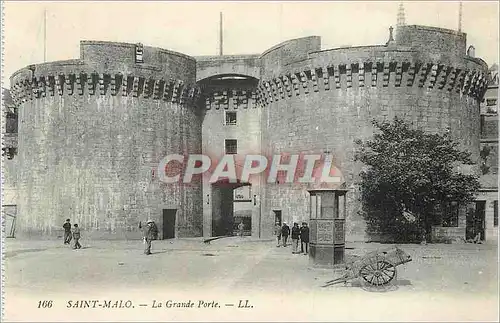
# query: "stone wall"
{"type": "Point", "coordinates": [247, 132]}
{"type": "Point", "coordinates": [91, 135]}
{"type": "Point", "coordinates": [327, 101]}
{"type": "Point", "coordinates": [97, 126]}
{"type": "Point", "coordinates": [491, 230]}
{"type": "Point", "coordinates": [451, 234]}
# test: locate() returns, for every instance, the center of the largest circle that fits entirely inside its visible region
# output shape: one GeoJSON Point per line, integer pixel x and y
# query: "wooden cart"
{"type": "Point", "coordinates": [376, 268]}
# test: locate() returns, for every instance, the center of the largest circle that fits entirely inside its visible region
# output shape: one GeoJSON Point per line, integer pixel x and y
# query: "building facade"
{"type": "Point", "coordinates": [102, 123]}
{"type": "Point", "coordinates": [487, 201]}
{"type": "Point", "coordinates": [9, 163]}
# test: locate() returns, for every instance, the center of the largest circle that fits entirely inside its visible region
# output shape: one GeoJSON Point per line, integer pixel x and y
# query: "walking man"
{"type": "Point", "coordinates": [67, 231]}
{"type": "Point", "coordinates": [76, 236]}
{"type": "Point", "coordinates": [285, 232]}
{"type": "Point", "coordinates": [304, 238]}
{"type": "Point", "coordinates": [148, 236]}
{"type": "Point", "coordinates": [241, 226]}
{"type": "Point", "coordinates": [277, 232]}
{"type": "Point", "coordinates": [295, 238]}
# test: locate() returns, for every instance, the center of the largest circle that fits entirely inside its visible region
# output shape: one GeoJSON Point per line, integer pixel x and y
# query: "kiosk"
{"type": "Point", "coordinates": [327, 227]}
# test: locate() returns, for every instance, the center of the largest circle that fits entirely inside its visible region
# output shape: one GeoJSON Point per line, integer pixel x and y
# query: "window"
{"type": "Point", "coordinates": [230, 118]}
{"type": "Point", "coordinates": [242, 193]}
{"type": "Point", "coordinates": [495, 213]}
{"type": "Point", "coordinates": [438, 215]}
{"type": "Point", "coordinates": [450, 215]}
{"type": "Point", "coordinates": [231, 146]}
{"type": "Point", "coordinates": [139, 51]}
{"type": "Point", "coordinates": [491, 102]}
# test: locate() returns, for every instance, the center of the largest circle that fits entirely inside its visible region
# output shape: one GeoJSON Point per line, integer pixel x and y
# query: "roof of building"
{"type": "Point", "coordinates": [489, 181]}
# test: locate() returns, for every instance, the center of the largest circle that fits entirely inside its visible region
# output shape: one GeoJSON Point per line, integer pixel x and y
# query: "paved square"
{"type": "Point", "coordinates": [443, 282]}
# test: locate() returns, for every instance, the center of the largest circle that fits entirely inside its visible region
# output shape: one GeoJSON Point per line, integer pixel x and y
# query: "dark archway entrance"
{"type": "Point", "coordinates": [475, 222]}
{"type": "Point", "coordinates": [223, 213]}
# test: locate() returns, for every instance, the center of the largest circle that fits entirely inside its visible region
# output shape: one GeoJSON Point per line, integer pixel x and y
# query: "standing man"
{"type": "Point", "coordinates": [241, 226]}
{"type": "Point", "coordinates": [67, 231]}
{"type": "Point", "coordinates": [304, 238]}
{"type": "Point", "coordinates": [76, 236]}
{"type": "Point", "coordinates": [148, 236]}
{"type": "Point", "coordinates": [285, 232]}
{"type": "Point", "coordinates": [295, 238]}
{"type": "Point", "coordinates": [277, 232]}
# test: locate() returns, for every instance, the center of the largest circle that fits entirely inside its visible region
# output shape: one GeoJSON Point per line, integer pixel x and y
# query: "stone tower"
{"type": "Point", "coordinates": [91, 133]}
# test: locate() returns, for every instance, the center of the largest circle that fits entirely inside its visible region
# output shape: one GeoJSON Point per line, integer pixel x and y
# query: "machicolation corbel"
{"type": "Point", "coordinates": [386, 71]}
{"type": "Point", "coordinates": [398, 74]}
{"type": "Point", "coordinates": [303, 80]}
{"type": "Point", "coordinates": [452, 79]}
{"type": "Point", "coordinates": [336, 75]}
{"type": "Point", "coordinates": [295, 83]}
{"type": "Point", "coordinates": [374, 74]}
{"type": "Point", "coordinates": [460, 81]}
{"type": "Point", "coordinates": [433, 76]}
{"type": "Point", "coordinates": [348, 73]}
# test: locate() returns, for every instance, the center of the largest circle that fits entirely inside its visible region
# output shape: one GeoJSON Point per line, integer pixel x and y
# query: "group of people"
{"type": "Point", "coordinates": [70, 234]}
{"type": "Point", "coordinates": [150, 233]}
{"type": "Point", "coordinates": [297, 233]}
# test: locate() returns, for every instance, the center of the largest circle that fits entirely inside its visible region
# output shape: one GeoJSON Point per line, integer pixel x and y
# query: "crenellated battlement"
{"type": "Point", "coordinates": [380, 74]}
{"type": "Point", "coordinates": [294, 68]}
{"type": "Point", "coordinates": [103, 84]}
{"type": "Point", "coordinates": [230, 99]}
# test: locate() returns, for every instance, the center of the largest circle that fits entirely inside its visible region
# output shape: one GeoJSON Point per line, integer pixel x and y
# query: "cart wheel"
{"type": "Point", "coordinates": [378, 272]}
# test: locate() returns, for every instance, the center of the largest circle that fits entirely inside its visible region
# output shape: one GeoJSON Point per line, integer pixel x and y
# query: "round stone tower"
{"type": "Point", "coordinates": [91, 134]}
{"type": "Point", "coordinates": [323, 100]}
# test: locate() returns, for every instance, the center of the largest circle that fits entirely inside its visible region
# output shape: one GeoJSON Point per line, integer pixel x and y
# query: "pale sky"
{"type": "Point", "coordinates": [249, 27]}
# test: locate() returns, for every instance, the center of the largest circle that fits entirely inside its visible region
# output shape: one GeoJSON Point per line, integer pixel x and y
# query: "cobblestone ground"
{"type": "Point", "coordinates": [442, 283]}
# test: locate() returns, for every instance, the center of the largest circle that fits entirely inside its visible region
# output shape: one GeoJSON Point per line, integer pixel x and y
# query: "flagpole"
{"type": "Point", "coordinates": [220, 35]}
{"type": "Point", "coordinates": [44, 35]}
{"type": "Point", "coordinates": [460, 17]}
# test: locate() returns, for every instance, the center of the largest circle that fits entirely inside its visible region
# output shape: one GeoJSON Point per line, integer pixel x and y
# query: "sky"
{"type": "Point", "coordinates": [249, 27]}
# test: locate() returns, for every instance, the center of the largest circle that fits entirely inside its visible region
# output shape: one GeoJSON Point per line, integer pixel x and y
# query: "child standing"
{"type": "Point", "coordinates": [76, 236]}
{"type": "Point", "coordinates": [277, 233]}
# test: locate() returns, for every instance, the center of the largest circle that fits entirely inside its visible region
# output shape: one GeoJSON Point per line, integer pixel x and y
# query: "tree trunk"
{"type": "Point", "coordinates": [421, 230]}
{"type": "Point", "coordinates": [428, 230]}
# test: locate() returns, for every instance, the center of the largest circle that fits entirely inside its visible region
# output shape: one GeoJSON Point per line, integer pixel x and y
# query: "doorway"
{"type": "Point", "coordinates": [169, 216]}
{"type": "Point", "coordinates": [224, 216]}
{"type": "Point", "coordinates": [277, 217]}
{"type": "Point", "coordinates": [476, 221]}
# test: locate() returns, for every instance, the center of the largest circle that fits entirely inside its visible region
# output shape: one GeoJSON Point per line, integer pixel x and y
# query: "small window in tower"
{"type": "Point", "coordinates": [230, 118]}
{"type": "Point", "coordinates": [139, 51]}
{"type": "Point", "coordinates": [231, 146]}
{"type": "Point", "coordinates": [491, 102]}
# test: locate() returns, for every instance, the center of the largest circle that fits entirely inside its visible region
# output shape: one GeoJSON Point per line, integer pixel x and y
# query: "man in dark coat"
{"type": "Point", "coordinates": [285, 232]}
{"type": "Point", "coordinates": [295, 238]}
{"type": "Point", "coordinates": [304, 238]}
{"type": "Point", "coordinates": [67, 231]}
{"type": "Point", "coordinates": [148, 233]}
